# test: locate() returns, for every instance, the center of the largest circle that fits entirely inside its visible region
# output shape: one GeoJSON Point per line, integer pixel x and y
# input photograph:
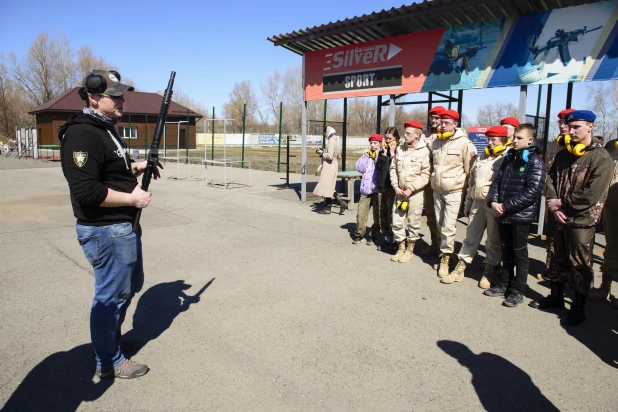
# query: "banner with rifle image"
{"type": "Point", "coordinates": [571, 44]}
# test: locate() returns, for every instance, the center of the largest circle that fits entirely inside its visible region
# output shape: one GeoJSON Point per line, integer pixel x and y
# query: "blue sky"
{"type": "Point", "coordinates": [211, 45]}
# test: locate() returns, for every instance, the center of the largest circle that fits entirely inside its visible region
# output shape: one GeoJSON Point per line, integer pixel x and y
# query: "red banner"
{"type": "Point", "coordinates": [388, 66]}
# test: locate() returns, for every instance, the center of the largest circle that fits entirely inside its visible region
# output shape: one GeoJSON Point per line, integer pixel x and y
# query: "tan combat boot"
{"type": "Point", "coordinates": [443, 268]}
{"type": "Point", "coordinates": [400, 251]}
{"type": "Point", "coordinates": [457, 275]}
{"type": "Point", "coordinates": [407, 255]}
{"type": "Point", "coordinates": [485, 282]}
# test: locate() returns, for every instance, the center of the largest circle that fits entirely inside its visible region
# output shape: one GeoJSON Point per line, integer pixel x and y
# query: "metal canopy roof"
{"type": "Point", "coordinates": [428, 15]}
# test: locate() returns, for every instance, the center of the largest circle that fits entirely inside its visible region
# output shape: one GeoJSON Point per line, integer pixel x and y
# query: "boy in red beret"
{"type": "Point", "coordinates": [514, 197]}
{"type": "Point", "coordinates": [409, 175]}
{"type": "Point", "coordinates": [369, 191]}
{"type": "Point", "coordinates": [510, 123]}
{"type": "Point", "coordinates": [429, 135]}
{"type": "Point", "coordinates": [451, 154]}
{"type": "Point", "coordinates": [482, 172]}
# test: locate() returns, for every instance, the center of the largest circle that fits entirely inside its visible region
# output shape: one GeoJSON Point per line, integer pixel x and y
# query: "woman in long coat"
{"type": "Point", "coordinates": [328, 175]}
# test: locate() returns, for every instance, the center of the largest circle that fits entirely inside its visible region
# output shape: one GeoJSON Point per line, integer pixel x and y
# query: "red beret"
{"type": "Point", "coordinates": [449, 114]}
{"type": "Point", "coordinates": [563, 113]}
{"type": "Point", "coordinates": [375, 137]}
{"type": "Point", "coordinates": [510, 120]}
{"type": "Point", "coordinates": [436, 111]}
{"type": "Point", "coordinates": [497, 131]}
{"type": "Point", "coordinates": [413, 123]}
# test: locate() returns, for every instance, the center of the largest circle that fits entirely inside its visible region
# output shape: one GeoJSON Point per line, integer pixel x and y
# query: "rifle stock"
{"type": "Point", "coordinates": [153, 154]}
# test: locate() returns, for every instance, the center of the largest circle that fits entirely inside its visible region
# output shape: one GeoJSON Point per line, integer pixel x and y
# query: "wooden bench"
{"type": "Point", "coordinates": [350, 177]}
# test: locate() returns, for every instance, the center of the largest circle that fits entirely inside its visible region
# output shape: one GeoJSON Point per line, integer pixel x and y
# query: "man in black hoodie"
{"type": "Point", "coordinates": [106, 196]}
{"type": "Point", "coordinates": [514, 197]}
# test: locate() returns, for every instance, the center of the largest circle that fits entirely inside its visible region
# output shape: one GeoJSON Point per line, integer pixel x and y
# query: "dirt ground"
{"type": "Point", "coordinates": [254, 302]}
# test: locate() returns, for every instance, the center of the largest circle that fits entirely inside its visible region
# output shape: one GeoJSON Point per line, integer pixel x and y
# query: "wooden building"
{"type": "Point", "coordinates": [141, 111]}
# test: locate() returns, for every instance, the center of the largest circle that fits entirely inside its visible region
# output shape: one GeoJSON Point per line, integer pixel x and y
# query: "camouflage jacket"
{"type": "Point", "coordinates": [581, 183]}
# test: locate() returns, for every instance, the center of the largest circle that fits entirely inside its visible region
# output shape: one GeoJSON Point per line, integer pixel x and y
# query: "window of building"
{"type": "Point", "coordinates": [128, 133]}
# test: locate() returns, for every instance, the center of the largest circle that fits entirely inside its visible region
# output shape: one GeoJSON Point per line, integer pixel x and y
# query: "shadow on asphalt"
{"type": "Point", "coordinates": [499, 384]}
{"type": "Point", "coordinates": [63, 380]}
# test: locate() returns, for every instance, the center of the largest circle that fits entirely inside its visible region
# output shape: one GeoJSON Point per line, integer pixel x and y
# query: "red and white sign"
{"type": "Point", "coordinates": [388, 66]}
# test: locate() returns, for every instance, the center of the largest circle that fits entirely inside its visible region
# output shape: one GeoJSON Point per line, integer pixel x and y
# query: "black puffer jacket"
{"type": "Point", "coordinates": [518, 186]}
{"type": "Point", "coordinates": [383, 166]}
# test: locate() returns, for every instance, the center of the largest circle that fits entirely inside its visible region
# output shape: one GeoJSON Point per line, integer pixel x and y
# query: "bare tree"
{"type": "Point", "coordinates": [241, 94]}
{"type": "Point", "coordinates": [491, 114]}
{"type": "Point", "coordinates": [603, 101]}
{"type": "Point", "coordinates": [64, 67]}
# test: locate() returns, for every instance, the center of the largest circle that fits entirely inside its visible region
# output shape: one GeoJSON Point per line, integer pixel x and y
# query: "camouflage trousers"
{"type": "Point", "coordinates": [365, 203]}
{"type": "Point", "coordinates": [571, 258]}
{"type": "Point", "coordinates": [387, 199]}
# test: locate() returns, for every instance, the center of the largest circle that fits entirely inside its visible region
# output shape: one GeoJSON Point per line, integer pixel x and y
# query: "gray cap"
{"type": "Point", "coordinates": [114, 87]}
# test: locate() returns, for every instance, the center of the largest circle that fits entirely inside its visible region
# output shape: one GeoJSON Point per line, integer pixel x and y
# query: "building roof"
{"type": "Point", "coordinates": [417, 17]}
{"type": "Point", "coordinates": [135, 103]}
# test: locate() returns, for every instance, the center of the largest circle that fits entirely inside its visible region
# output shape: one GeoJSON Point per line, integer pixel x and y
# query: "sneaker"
{"type": "Point", "coordinates": [371, 241]}
{"type": "Point", "coordinates": [514, 299]}
{"type": "Point", "coordinates": [358, 240]}
{"type": "Point", "coordinates": [126, 370]}
{"type": "Point", "coordinates": [497, 291]}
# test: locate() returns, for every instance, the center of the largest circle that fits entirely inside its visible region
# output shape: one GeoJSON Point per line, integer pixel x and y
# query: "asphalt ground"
{"type": "Point", "coordinates": [294, 316]}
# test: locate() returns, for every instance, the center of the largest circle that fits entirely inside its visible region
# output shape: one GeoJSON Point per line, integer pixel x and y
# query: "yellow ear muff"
{"type": "Point", "coordinates": [509, 143]}
{"type": "Point", "coordinates": [372, 154]}
{"type": "Point", "coordinates": [578, 150]}
{"type": "Point", "coordinates": [616, 144]}
{"type": "Point", "coordinates": [445, 135]}
{"type": "Point", "coordinates": [495, 151]}
{"type": "Point", "coordinates": [564, 140]}
{"type": "Point", "coordinates": [487, 151]}
{"type": "Point", "coordinates": [402, 205]}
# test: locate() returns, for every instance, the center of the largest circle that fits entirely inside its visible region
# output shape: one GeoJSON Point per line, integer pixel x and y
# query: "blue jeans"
{"type": "Point", "coordinates": [115, 253]}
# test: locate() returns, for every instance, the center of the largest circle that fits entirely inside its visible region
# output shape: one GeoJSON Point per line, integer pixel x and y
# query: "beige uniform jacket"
{"type": "Point", "coordinates": [451, 162]}
{"type": "Point", "coordinates": [411, 169]}
{"type": "Point", "coordinates": [482, 172]}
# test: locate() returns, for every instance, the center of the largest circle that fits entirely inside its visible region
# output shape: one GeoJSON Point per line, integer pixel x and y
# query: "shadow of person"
{"type": "Point", "coordinates": [158, 307]}
{"type": "Point", "coordinates": [599, 332]}
{"type": "Point", "coordinates": [60, 382]}
{"type": "Point", "coordinates": [500, 385]}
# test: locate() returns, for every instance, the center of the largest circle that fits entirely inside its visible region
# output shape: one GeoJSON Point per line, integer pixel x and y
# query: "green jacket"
{"type": "Point", "coordinates": [581, 183]}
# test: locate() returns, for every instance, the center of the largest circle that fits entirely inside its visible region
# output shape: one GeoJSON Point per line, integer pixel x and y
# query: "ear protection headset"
{"type": "Point", "coordinates": [563, 140]}
{"type": "Point", "coordinates": [372, 154]}
{"type": "Point", "coordinates": [577, 149]}
{"type": "Point", "coordinates": [95, 83]}
{"type": "Point", "coordinates": [402, 205]}
{"type": "Point", "coordinates": [525, 155]}
{"type": "Point", "coordinates": [445, 135]}
{"type": "Point", "coordinates": [496, 150]}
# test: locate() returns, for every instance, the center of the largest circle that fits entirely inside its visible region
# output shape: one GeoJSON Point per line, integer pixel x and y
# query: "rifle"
{"type": "Point", "coordinates": [468, 53]}
{"type": "Point", "coordinates": [153, 154]}
{"type": "Point", "coordinates": [561, 40]}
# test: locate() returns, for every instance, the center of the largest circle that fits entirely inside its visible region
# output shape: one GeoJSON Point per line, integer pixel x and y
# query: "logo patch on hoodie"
{"type": "Point", "coordinates": [80, 158]}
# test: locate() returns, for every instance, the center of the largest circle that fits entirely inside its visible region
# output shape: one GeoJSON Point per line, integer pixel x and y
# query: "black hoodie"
{"type": "Point", "coordinates": [94, 159]}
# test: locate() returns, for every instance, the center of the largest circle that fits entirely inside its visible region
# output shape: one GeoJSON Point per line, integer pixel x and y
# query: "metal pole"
{"type": "Point", "coordinates": [324, 124]}
{"type": "Point", "coordinates": [379, 119]}
{"type": "Point", "coordinates": [391, 112]}
{"type": "Point", "coordinates": [146, 137]}
{"type": "Point", "coordinates": [129, 133]}
{"type": "Point", "coordinates": [429, 102]}
{"type": "Point", "coordinates": [538, 109]}
{"type": "Point", "coordinates": [213, 134]}
{"type": "Point", "coordinates": [279, 149]}
{"type": "Point", "coordinates": [244, 115]}
{"type": "Point", "coordinates": [344, 133]}
{"type": "Point", "coordinates": [187, 136]}
{"type": "Point", "coordinates": [460, 103]}
{"type": "Point", "coordinates": [523, 97]}
{"type": "Point", "coordinates": [540, 227]}
{"type": "Point", "coordinates": [450, 98]}
{"type": "Point", "coordinates": [287, 171]}
{"type": "Point", "coordinates": [569, 96]}
{"type": "Point", "coordinates": [303, 167]}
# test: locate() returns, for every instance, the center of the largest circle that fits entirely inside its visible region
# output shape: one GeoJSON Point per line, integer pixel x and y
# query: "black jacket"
{"type": "Point", "coordinates": [94, 159]}
{"type": "Point", "coordinates": [383, 166]}
{"type": "Point", "coordinates": [519, 186]}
